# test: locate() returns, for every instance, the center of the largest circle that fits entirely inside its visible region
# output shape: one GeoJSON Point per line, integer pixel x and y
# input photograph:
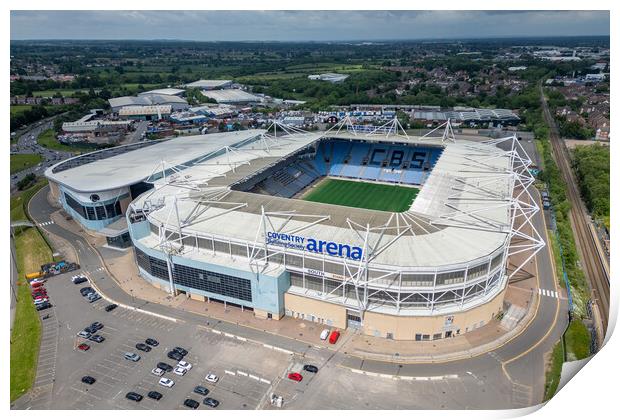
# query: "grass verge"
{"type": "Point", "coordinates": [577, 340]}
{"type": "Point", "coordinates": [364, 195]}
{"type": "Point", "coordinates": [32, 251]}
{"type": "Point", "coordinates": [19, 162]}
{"type": "Point", "coordinates": [557, 258]}
{"type": "Point", "coordinates": [20, 200]}
{"type": "Point", "coordinates": [554, 370]}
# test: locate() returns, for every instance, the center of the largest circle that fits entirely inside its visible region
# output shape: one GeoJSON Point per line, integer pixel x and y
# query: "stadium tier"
{"type": "Point", "coordinates": [401, 237]}
{"type": "Point", "coordinates": [359, 160]}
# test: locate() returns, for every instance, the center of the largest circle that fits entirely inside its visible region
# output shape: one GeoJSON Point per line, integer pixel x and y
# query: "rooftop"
{"type": "Point", "coordinates": [231, 95]}
{"type": "Point", "coordinates": [208, 84]}
{"type": "Point", "coordinates": [444, 226]}
{"type": "Point", "coordinates": [134, 166]}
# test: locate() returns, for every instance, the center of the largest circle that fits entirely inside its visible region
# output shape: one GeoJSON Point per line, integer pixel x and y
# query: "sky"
{"type": "Point", "coordinates": [303, 25]}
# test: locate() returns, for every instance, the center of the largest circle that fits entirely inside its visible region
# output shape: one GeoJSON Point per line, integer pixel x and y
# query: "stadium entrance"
{"type": "Point", "coordinates": [354, 320]}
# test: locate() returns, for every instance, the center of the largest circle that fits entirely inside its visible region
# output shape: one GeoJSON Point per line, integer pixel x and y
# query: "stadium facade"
{"type": "Point", "coordinates": [222, 217]}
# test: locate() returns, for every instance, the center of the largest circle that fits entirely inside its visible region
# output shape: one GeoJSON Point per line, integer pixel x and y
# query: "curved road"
{"type": "Point", "coordinates": [515, 370]}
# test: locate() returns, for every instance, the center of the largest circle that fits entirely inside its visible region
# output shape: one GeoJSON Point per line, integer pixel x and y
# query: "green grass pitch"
{"type": "Point", "coordinates": [364, 195]}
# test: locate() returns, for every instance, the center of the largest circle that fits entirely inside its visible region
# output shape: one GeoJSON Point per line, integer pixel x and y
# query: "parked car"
{"type": "Point", "coordinates": [154, 395]}
{"type": "Point", "coordinates": [211, 402]}
{"type": "Point", "coordinates": [201, 390]}
{"type": "Point", "coordinates": [179, 371]}
{"type": "Point", "coordinates": [157, 371]}
{"type": "Point", "coordinates": [84, 291]}
{"type": "Point", "coordinates": [133, 396]}
{"type": "Point", "coordinates": [97, 338]}
{"type": "Point", "coordinates": [132, 356]}
{"type": "Point", "coordinates": [193, 404]}
{"type": "Point", "coordinates": [93, 297]}
{"type": "Point", "coordinates": [44, 305]}
{"type": "Point", "coordinates": [175, 356]}
{"type": "Point", "coordinates": [38, 301]}
{"type": "Point", "coordinates": [83, 347]}
{"type": "Point", "coordinates": [185, 365]}
{"type": "Point", "coordinates": [84, 334]}
{"type": "Point", "coordinates": [90, 330]}
{"type": "Point", "coordinates": [324, 334]}
{"type": "Point", "coordinates": [164, 366]}
{"type": "Point", "coordinates": [311, 368]}
{"type": "Point", "coordinates": [111, 307]}
{"type": "Point", "coordinates": [152, 342]}
{"type": "Point", "coordinates": [143, 347]}
{"type": "Point", "coordinates": [88, 380]}
{"type": "Point", "coordinates": [295, 376]}
{"type": "Point", "coordinates": [167, 382]}
{"type": "Point", "coordinates": [333, 337]}
{"type": "Point", "coordinates": [78, 279]}
{"type": "Point", "coordinates": [211, 377]}
{"type": "Point", "coordinates": [96, 325]}
{"type": "Point", "coordinates": [181, 351]}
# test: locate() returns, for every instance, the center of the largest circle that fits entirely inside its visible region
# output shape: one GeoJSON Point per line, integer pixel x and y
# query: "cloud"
{"type": "Point", "coordinates": [303, 25]}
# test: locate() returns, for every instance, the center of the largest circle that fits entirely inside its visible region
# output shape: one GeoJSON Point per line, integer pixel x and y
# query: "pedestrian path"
{"type": "Point", "coordinates": [49, 222]}
{"type": "Point", "coordinates": [548, 293]}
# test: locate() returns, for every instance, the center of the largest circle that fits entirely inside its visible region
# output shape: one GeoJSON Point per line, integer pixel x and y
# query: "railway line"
{"type": "Point", "coordinates": [595, 268]}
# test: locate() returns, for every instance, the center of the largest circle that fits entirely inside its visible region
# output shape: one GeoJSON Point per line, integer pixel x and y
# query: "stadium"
{"type": "Point", "coordinates": [403, 237]}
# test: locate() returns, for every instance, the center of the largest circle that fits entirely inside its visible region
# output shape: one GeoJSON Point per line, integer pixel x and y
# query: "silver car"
{"type": "Point", "coordinates": [132, 356]}
{"type": "Point", "coordinates": [84, 334]}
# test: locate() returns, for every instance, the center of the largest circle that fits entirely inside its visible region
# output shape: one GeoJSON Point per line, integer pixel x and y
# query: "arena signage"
{"type": "Point", "coordinates": [316, 246]}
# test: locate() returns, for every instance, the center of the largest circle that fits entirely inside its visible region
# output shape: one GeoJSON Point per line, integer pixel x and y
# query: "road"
{"type": "Point", "coordinates": [27, 143]}
{"type": "Point", "coordinates": [580, 222]}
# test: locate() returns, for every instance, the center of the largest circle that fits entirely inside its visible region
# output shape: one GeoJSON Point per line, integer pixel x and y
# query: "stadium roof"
{"type": "Point", "coordinates": [137, 165]}
{"type": "Point", "coordinates": [447, 227]}
{"type": "Point", "coordinates": [231, 96]}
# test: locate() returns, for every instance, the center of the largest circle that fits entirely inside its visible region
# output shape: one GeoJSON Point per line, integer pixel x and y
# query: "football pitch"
{"type": "Point", "coordinates": [364, 195]}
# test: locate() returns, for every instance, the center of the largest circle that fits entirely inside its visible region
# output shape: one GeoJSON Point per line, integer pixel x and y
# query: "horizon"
{"type": "Point", "coordinates": [303, 26]}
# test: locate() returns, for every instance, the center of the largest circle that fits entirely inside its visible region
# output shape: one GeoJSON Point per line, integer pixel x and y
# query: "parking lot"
{"type": "Point", "coordinates": [246, 370]}
{"type": "Point", "coordinates": [249, 373]}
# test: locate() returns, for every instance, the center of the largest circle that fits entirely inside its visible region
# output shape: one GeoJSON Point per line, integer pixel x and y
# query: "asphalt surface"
{"type": "Point", "coordinates": [27, 143]}
{"type": "Point", "coordinates": [511, 376]}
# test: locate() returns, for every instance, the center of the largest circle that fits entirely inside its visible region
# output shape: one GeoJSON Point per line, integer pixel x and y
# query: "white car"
{"type": "Point", "coordinates": [157, 372]}
{"type": "Point", "coordinates": [185, 365]}
{"type": "Point", "coordinates": [168, 383]}
{"type": "Point", "coordinates": [324, 334]}
{"type": "Point", "coordinates": [179, 371]}
{"type": "Point", "coordinates": [211, 377]}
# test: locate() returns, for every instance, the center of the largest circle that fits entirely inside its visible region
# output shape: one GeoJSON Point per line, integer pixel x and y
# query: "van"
{"type": "Point", "coordinates": [324, 334]}
{"type": "Point", "coordinates": [333, 337]}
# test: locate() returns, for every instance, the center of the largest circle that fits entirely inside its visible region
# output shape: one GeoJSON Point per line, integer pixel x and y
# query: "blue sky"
{"type": "Point", "coordinates": [303, 25]}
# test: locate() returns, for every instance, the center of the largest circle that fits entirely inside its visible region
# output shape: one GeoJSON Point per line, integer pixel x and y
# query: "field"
{"type": "Point", "coordinates": [19, 162]}
{"type": "Point", "coordinates": [362, 195]}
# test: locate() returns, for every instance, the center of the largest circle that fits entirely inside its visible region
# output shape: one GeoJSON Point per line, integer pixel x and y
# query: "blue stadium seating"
{"type": "Point", "coordinates": [399, 164]}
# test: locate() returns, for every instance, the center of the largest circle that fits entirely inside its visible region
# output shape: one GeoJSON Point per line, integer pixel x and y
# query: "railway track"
{"type": "Point", "coordinates": [595, 269]}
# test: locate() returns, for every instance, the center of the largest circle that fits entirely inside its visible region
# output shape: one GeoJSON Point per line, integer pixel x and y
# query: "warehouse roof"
{"type": "Point", "coordinates": [231, 95]}
{"type": "Point", "coordinates": [165, 91]}
{"type": "Point", "coordinates": [208, 84]}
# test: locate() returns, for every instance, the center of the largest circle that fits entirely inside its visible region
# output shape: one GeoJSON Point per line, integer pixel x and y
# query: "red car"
{"type": "Point", "coordinates": [294, 376]}
{"type": "Point", "coordinates": [83, 347]}
{"type": "Point", "coordinates": [333, 337]}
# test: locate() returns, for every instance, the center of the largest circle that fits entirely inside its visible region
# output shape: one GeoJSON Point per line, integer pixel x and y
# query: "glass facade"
{"type": "Point", "coordinates": [208, 281]}
{"type": "Point", "coordinates": [94, 212]}
{"type": "Point", "coordinates": [120, 241]}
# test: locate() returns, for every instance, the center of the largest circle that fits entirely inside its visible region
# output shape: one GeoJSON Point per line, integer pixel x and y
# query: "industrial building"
{"type": "Point", "coordinates": [175, 102]}
{"type": "Point", "coordinates": [329, 77]}
{"type": "Point", "coordinates": [219, 217]}
{"type": "Point", "coordinates": [209, 84]}
{"type": "Point", "coordinates": [232, 96]}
